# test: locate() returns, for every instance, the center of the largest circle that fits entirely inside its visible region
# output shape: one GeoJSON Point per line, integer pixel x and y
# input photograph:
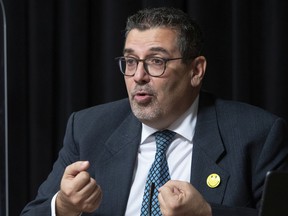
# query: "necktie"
{"type": "Point", "coordinates": [158, 174]}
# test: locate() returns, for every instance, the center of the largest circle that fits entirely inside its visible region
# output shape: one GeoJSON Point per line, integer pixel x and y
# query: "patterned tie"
{"type": "Point", "coordinates": [158, 174]}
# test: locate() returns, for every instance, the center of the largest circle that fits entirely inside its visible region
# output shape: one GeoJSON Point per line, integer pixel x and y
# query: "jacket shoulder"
{"type": "Point", "coordinates": [112, 108]}
{"type": "Point", "coordinates": [232, 110]}
{"type": "Point", "coordinates": [102, 118]}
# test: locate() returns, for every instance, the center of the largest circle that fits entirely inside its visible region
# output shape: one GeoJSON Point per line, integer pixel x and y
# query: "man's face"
{"type": "Point", "coordinates": [159, 101]}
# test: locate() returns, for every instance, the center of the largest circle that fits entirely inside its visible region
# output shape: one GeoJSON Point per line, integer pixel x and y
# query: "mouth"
{"type": "Point", "coordinates": [142, 97]}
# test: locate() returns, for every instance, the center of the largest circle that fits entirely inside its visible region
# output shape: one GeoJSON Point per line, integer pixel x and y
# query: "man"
{"type": "Point", "coordinates": [220, 150]}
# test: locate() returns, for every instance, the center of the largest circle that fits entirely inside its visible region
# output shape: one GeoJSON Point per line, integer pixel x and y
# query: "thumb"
{"type": "Point", "coordinates": [166, 191]}
{"type": "Point", "coordinates": [77, 167]}
{"type": "Point", "coordinates": [170, 189]}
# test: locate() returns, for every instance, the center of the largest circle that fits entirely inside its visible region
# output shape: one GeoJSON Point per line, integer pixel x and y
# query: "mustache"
{"type": "Point", "coordinates": [147, 89]}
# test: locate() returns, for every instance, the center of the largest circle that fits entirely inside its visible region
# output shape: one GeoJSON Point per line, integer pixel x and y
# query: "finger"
{"type": "Point", "coordinates": [73, 169]}
{"type": "Point", "coordinates": [96, 197]}
{"type": "Point", "coordinates": [162, 198]}
{"type": "Point", "coordinates": [166, 192]}
{"type": "Point", "coordinates": [172, 191]}
{"type": "Point", "coordinates": [92, 202]}
{"type": "Point", "coordinates": [88, 188]}
{"type": "Point", "coordinates": [177, 186]}
{"type": "Point", "coordinates": [176, 191]}
{"type": "Point", "coordinates": [167, 186]}
{"type": "Point", "coordinates": [81, 180]}
{"type": "Point", "coordinates": [174, 183]}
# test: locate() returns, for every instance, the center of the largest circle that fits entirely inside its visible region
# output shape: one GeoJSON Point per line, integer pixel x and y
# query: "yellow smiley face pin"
{"type": "Point", "coordinates": [213, 180]}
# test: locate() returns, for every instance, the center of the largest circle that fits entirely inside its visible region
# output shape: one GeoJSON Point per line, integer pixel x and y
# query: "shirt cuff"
{"type": "Point", "coordinates": [53, 205]}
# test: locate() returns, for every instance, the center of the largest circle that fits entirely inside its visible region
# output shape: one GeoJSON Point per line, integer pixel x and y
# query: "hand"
{"type": "Point", "coordinates": [181, 198]}
{"type": "Point", "coordinates": [78, 191]}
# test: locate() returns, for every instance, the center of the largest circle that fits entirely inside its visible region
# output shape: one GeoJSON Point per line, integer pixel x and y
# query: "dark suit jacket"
{"type": "Point", "coordinates": [237, 141]}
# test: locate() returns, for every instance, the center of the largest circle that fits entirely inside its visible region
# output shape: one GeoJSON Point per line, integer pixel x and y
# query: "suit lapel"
{"type": "Point", "coordinates": [208, 149]}
{"type": "Point", "coordinates": [116, 166]}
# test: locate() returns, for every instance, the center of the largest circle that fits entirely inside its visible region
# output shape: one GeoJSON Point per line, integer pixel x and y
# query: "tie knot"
{"type": "Point", "coordinates": [163, 139]}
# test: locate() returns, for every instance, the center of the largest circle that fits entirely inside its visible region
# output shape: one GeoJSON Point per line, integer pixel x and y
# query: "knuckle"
{"type": "Point", "coordinates": [92, 180]}
{"type": "Point", "coordinates": [89, 207]}
{"type": "Point", "coordinates": [76, 200]}
{"type": "Point", "coordinates": [67, 190]}
{"type": "Point", "coordinates": [84, 175]}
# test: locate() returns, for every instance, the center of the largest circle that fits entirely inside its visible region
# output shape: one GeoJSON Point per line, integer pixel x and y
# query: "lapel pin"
{"type": "Point", "coordinates": [213, 180]}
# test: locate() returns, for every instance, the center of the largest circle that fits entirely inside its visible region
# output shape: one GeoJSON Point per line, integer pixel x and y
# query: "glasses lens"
{"type": "Point", "coordinates": [128, 66]}
{"type": "Point", "coordinates": [155, 66]}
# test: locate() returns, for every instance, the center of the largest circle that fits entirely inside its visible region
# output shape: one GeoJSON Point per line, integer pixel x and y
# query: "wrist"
{"type": "Point", "coordinates": [62, 208]}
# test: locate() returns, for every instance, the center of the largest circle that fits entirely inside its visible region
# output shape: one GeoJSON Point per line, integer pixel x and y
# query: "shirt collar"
{"type": "Point", "coordinates": [183, 126]}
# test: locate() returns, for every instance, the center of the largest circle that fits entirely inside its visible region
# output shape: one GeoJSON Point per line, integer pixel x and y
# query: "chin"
{"type": "Point", "coordinates": [146, 113]}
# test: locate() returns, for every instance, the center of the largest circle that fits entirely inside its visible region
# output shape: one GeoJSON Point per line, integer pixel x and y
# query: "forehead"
{"type": "Point", "coordinates": [155, 39]}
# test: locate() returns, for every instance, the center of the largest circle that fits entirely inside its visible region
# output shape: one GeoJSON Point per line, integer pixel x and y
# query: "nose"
{"type": "Point", "coordinates": [141, 76]}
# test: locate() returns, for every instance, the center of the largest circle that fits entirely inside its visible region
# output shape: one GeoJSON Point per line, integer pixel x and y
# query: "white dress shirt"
{"type": "Point", "coordinates": [179, 158]}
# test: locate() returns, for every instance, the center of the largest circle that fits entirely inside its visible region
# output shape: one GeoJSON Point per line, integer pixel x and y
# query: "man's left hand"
{"type": "Point", "coordinates": [181, 198]}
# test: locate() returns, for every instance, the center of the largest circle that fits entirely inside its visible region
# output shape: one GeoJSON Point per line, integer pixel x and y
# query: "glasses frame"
{"type": "Point", "coordinates": [123, 58]}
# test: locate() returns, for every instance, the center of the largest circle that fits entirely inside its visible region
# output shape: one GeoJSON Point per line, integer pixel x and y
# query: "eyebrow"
{"type": "Point", "coordinates": [153, 49]}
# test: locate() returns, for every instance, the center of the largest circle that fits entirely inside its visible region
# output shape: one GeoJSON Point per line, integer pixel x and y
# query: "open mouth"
{"type": "Point", "coordinates": [142, 97]}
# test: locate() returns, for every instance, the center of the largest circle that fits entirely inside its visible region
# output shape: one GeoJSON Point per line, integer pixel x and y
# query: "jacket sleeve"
{"type": "Point", "coordinates": [220, 210]}
{"type": "Point", "coordinates": [41, 205]}
{"type": "Point", "coordinates": [272, 156]}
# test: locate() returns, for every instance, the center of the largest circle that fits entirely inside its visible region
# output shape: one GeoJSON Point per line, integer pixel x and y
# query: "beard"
{"type": "Point", "coordinates": [147, 111]}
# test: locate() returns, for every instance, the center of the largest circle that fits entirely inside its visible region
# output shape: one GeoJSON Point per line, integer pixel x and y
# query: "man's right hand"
{"type": "Point", "coordinates": [78, 191]}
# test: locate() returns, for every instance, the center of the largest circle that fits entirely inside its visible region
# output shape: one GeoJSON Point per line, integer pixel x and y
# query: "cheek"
{"type": "Point", "coordinates": [179, 86]}
{"type": "Point", "coordinates": [128, 84]}
{"type": "Point", "coordinates": [168, 91]}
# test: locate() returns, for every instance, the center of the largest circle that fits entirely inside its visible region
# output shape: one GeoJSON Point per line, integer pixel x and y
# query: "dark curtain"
{"type": "Point", "coordinates": [3, 119]}
{"type": "Point", "coordinates": [61, 59]}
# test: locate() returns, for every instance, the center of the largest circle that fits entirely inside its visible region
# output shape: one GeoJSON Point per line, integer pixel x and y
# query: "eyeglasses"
{"type": "Point", "coordinates": [154, 66]}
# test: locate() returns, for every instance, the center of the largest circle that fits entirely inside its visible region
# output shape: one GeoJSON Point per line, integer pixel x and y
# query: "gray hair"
{"type": "Point", "coordinates": [190, 37]}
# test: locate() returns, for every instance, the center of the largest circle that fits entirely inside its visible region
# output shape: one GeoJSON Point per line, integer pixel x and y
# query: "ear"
{"type": "Point", "coordinates": [198, 70]}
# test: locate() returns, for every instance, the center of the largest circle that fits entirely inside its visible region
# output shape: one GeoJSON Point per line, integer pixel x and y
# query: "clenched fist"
{"type": "Point", "coordinates": [78, 191]}
{"type": "Point", "coordinates": [181, 198]}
